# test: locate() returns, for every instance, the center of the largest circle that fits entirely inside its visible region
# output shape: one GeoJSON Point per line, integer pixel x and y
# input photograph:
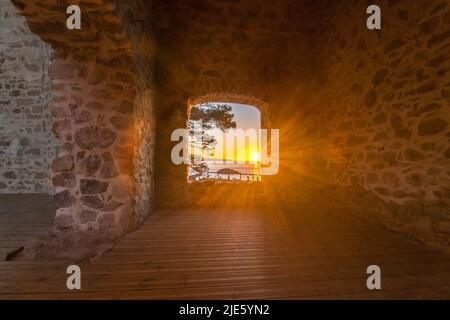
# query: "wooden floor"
{"type": "Point", "coordinates": [22, 218]}
{"type": "Point", "coordinates": [232, 254]}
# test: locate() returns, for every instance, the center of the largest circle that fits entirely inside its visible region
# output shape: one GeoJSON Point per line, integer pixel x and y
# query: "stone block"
{"type": "Point", "coordinates": [88, 216]}
{"type": "Point", "coordinates": [92, 186]}
{"type": "Point", "coordinates": [64, 199]}
{"type": "Point", "coordinates": [63, 163]}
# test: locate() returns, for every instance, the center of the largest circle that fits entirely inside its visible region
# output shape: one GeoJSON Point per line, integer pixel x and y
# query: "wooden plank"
{"type": "Point", "coordinates": [232, 254]}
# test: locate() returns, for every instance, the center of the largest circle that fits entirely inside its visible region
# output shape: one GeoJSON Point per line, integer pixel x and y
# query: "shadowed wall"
{"type": "Point", "coordinates": [27, 144]}
{"type": "Point", "coordinates": [363, 114]}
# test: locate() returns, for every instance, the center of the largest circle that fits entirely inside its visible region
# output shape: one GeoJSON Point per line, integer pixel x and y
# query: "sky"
{"type": "Point", "coordinates": [246, 117]}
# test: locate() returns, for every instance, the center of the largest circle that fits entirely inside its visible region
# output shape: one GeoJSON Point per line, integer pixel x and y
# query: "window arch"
{"type": "Point", "coordinates": [224, 138]}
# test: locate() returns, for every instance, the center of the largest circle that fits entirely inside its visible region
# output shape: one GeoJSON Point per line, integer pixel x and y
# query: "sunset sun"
{"type": "Point", "coordinates": [255, 157]}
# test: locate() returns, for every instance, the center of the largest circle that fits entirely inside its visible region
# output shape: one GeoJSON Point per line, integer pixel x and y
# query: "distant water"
{"type": "Point", "coordinates": [246, 170]}
{"type": "Point", "coordinates": [241, 168]}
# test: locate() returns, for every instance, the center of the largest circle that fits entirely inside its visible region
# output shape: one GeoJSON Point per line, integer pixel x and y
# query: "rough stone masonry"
{"type": "Point", "coordinates": [27, 144]}
{"type": "Point", "coordinates": [100, 172]}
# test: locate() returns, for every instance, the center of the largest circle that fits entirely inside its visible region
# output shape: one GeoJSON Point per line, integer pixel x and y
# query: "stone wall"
{"type": "Point", "coordinates": [363, 114]}
{"type": "Point", "coordinates": [138, 26]}
{"type": "Point", "coordinates": [387, 114]}
{"type": "Point", "coordinates": [101, 122]}
{"type": "Point", "coordinates": [27, 144]}
{"type": "Point", "coordinates": [93, 120]}
{"type": "Point", "coordinates": [250, 49]}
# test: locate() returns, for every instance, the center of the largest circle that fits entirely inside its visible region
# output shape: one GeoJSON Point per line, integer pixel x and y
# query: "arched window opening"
{"type": "Point", "coordinates": [224, 142]}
